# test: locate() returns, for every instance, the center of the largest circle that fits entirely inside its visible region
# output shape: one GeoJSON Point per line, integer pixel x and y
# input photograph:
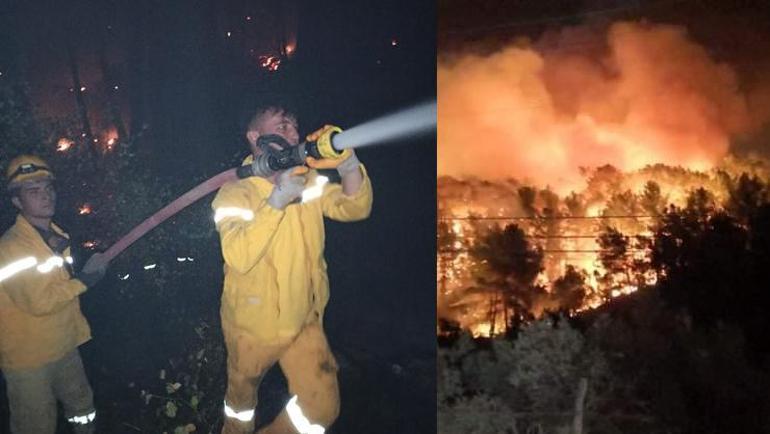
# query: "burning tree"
{"type": "Point", "coordinates": [508, 270]}
{"type": "Point", "coordinates": [614, 256]}
{"type": "Point", "coordinates": [571, 289]}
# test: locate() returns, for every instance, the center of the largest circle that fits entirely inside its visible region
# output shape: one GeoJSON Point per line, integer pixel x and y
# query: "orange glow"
{"type": "Point", "coordinates": [110, 138]}
{"type": "Point", "coordinates": [270, 63]}
{"type": "Point", "coordinates": [597, 113]}
{"type": "Point", "coordinates": [484, 329]}
{"type": "Point", "coordinates": [540, 112]}
{"type": "Point", "coordinates": [471, 204]}
{"type": "Point", "coordinates": [84, 209]}
{"type": "Point", "coordinates": [64, 144]}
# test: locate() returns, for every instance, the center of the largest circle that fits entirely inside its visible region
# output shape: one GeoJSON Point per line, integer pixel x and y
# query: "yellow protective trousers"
{"type": "Point", "coordinates": [33, 393]}
{"type": "Point", "coordinates": [310, 370]}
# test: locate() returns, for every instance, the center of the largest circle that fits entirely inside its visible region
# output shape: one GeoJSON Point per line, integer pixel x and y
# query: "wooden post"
{"type": "Point", "coordinates": [577, 420]}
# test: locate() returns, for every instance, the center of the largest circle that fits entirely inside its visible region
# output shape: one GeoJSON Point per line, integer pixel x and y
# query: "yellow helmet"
{"type": "Point", "coordinates": [26, 168]}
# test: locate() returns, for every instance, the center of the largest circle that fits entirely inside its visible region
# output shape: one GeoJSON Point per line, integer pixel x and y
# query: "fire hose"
{"type": "Point", "coordinates": [264, 166]}
{"type": "Point", "coordinates": [412, 121]}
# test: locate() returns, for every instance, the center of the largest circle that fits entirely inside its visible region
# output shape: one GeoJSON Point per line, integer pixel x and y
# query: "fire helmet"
{"type": "Point", "coordinates": [26, 168]}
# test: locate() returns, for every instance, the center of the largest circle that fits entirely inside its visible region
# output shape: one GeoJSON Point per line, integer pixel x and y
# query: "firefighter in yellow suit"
{"type": "Point", "coordinates": [41, 325]}
{"type": "Point", "coordinates": [276, 286]}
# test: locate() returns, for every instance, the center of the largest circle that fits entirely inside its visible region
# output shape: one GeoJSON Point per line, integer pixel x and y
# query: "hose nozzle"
{"type": "Point", "coordinates": [273, 160]}
{"type": "Point", "coordinates": [324, 146]}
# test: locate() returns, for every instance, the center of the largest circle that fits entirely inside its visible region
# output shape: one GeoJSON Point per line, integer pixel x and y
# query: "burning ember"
{"type": "Point", "coordinates": [90, 244]}
{"type": "Point", "coordinates": [270, 63]}
{"type": "Point", "coordinates": [109, 138]}
{"type": "Point", "coordinates": [84, 209]}
{"type": "Point", "coordinates": [64, 144]}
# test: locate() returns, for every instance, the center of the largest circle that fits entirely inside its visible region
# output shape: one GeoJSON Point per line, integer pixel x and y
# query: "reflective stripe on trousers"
{"type": "Point", "coordinates": [301, 423]}
{"type": "Point", "coordinates": [311, 374]}
{"type": "Point", "coordinates": [243, 416]}
{"type": "Point", "coordinates": [297, 417]}
{"type": "Point", "coordinates": [83, 420]}
{"type": "Point", "coordinates": [32, 396]}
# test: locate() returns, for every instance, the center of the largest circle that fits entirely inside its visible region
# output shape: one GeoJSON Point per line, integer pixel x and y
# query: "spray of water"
{"type": "Point", "coordinates": [405, 123]}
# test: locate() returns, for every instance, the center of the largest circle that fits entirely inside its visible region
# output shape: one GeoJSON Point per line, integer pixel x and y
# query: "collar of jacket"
{"type": "Point", "coordinates": [26, 230]}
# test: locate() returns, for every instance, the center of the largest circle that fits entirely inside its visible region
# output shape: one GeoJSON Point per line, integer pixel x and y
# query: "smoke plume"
{"type": "Point", "coordinates": [630, 95]}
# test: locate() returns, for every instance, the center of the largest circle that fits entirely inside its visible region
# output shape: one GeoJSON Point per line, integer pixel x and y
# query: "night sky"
{"type": "Point", "coordinates": [179, 77]}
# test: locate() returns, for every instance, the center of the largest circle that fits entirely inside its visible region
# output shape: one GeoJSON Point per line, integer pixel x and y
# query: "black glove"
{"type": "Point", "coordinates": [93, 271]}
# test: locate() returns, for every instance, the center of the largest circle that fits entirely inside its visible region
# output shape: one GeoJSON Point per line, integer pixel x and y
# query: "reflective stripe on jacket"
{"type": "Point", "coordinates": [40, 318]}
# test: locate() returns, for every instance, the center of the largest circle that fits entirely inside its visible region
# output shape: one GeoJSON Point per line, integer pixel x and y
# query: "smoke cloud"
{"type": "Point", "coordinates": [630, 95]}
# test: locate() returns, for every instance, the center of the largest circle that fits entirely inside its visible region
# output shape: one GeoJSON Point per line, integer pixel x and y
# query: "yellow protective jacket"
{"type": "Point", "coordinates": [275, 271]}
{"type": "Point", "coordinates": [40, 318]}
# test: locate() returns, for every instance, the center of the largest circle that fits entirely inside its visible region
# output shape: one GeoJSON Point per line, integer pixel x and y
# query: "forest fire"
{"type": "Point", "coordinates": [587, 240]}
{"type": "Point", "coordinates": [576, 143]}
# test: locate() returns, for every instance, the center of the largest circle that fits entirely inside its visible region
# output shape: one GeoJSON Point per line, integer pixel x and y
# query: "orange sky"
{"type": "Point", "coordinates": [630, 95]}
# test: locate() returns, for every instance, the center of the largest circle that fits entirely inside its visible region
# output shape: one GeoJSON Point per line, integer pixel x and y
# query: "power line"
{"type": "Point", "coordinates": [563, 236]}
{"type": "Point", "coordinates": [592, 251]}
{"type": "Point", "coordinates": [473, 218]}
{"type": "Point", "coordinates": [581, 236]}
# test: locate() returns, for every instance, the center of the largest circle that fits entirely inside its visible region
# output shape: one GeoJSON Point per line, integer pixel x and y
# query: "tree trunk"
{"type": "Point", "coordinates": [505, 317]}
{"type": "Point", "coordinates": [113, 104]}
{"type": "Point", "coordinates": [492, 314]}
{"type": "Point", "coordinates": [138, 80]}
{"type": "Point", "coordinates": [80, 101]}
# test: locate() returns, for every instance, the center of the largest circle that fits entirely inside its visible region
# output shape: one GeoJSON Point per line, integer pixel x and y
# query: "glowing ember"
{"type": "Point", "coordinates": [84, 209]}
{"type": "Point", "coordinates": [484, 330]}
{"type": "Point", "coordinates": [90, 244]}
{"type": "Point", "coordinates": [64, 144]}
{"type": "Point", "coordinates": [110, 138]}
{"type": "Point", "coordinates": [270, 63]}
